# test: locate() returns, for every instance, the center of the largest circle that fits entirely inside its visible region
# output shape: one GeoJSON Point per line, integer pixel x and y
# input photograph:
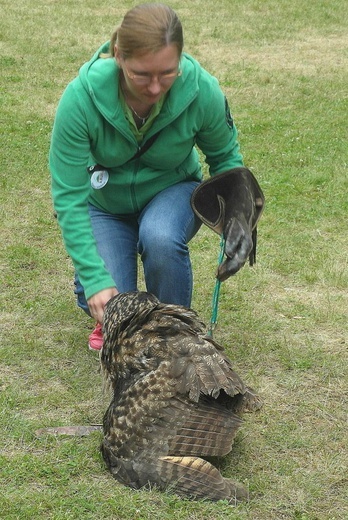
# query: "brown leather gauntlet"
{"type": "Point", "coordinates": [231, 204]}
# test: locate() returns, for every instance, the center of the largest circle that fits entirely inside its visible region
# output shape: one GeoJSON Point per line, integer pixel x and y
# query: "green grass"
{"type": "Point", "coordinates": [284, 68]}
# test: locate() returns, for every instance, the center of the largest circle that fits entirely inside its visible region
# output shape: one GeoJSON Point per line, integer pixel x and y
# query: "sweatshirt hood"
{"type": "Point", "coordinates": [100, 78]}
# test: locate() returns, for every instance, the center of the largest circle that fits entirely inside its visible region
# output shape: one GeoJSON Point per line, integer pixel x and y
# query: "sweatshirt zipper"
{"type": "Point", "coordinates": [133, 184]}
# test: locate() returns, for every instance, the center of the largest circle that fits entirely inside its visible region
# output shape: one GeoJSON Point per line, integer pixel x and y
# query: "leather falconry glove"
{"type": "Point", "coordinates": [231, 204]}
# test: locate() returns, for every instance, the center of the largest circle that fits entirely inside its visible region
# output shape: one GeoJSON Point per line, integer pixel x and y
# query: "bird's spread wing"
{"type": "Point", "coordinates": [198, 364]}
{"type": "Point", "coordinates": [199, 368]}
{"type": "Point", "coordinates": [205, 428]}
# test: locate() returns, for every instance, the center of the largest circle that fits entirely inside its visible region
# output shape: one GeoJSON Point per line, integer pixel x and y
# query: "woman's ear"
{"type": "Point", "coordinates": [117, 54]}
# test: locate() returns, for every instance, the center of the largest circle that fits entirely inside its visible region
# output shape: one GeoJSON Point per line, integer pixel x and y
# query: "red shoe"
{"type": "Point", "coordinates": [96, 339]}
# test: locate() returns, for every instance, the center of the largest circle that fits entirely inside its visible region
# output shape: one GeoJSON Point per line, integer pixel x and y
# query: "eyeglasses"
{"type": "Point", "coordinates": [146, 79]}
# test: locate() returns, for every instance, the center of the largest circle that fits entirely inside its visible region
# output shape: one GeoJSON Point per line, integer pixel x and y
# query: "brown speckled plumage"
{"type": "Point", "coordinates": [175, 399]}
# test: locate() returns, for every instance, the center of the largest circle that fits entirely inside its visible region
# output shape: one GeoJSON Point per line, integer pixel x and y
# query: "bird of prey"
{"type": "Point", "coordinates": [175, 399]}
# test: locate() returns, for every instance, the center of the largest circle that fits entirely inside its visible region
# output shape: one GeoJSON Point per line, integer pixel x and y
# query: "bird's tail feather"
{"type": "Point", "coordinates": [195, 477]}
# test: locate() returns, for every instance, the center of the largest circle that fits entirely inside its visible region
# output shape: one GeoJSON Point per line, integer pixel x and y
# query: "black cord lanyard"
{"type": "Point", "coordinates": [144, 148]}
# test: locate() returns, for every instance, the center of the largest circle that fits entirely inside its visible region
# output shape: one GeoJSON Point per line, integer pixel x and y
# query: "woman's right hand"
{"type": "Point", "coordinates": [97, 302]}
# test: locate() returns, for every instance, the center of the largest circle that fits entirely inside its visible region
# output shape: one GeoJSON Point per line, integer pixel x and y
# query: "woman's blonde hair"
{"type": "Point", "coordinates": [147, 28]}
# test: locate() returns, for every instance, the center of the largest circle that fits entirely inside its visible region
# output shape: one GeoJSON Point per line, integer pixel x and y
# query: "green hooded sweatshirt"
{"type": "Point", "coordinates": [91, 128]}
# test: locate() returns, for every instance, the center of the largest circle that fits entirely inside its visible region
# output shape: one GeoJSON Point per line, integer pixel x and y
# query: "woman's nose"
{"type": "Point", "coordinates": [155, 85]}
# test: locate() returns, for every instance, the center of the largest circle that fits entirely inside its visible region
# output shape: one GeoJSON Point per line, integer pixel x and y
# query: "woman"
{"type": "Point", "coordinates": [124, 164]}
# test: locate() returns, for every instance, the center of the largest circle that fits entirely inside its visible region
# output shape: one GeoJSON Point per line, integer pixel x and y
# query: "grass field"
{"type": "Point", "coordinates": [283, 66]}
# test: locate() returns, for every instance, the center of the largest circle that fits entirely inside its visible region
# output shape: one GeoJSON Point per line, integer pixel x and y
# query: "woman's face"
{"type": "Point", "coordinates": [150, 76]}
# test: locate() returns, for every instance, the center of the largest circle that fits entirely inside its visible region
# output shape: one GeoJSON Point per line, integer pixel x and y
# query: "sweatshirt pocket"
{"type": "Point", "coordinates": [190, 168]}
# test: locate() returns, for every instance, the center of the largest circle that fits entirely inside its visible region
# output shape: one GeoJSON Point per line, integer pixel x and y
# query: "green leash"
{"type": "Point", "coordinates": [215, 302]}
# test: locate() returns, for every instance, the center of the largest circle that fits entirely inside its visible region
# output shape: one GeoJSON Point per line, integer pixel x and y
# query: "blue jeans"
{"type": "Point", "coordinates": [159, 234]}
